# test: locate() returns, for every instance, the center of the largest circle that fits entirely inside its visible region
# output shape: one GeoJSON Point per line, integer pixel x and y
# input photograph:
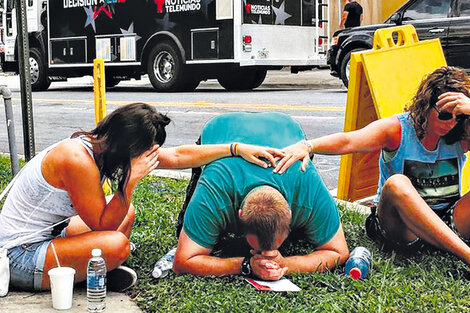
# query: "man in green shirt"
{"type": "Point", "coordinates": [233, 196]}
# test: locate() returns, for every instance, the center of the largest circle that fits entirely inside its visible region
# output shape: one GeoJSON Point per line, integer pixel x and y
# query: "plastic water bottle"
{"type": "Point", "coordinates": [96, 282]}
{"type": "Point", "coordinates": [164, 265]}
{"type": "Point", "coordinates": [359, 262]}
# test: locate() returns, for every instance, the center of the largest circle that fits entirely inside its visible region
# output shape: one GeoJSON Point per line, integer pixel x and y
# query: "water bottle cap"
{"type": "Point", "coordinates": [157, 273]}
{"type": "Point", "coordinates": [355, 273]}
{"type": "Point", "coordinates": [96, 252]}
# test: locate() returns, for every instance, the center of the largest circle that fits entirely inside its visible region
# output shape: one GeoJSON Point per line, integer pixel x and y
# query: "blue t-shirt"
{"type": "Point", "coordinates": [213, 209]}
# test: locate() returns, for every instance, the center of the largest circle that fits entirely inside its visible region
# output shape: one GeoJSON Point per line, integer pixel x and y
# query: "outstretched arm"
{"type": "Point", "coordinates": [188, 156]}
{"type": "Point", "coordinates": [381, 134]}
{"type": "Point", "coordinates": [194, 259]}
{"type": "Point", "coordinates": [327, 256]}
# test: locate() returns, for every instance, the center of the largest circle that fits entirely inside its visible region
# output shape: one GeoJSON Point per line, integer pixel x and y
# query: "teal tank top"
{"type": "Point", "coordinates": [436, 175]}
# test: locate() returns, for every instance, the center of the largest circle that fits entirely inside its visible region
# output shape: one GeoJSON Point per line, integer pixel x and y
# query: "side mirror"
{"type": "Point", "coordinates": [395, 18]}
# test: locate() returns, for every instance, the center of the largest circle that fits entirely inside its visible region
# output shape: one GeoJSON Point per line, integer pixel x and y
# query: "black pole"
{"type": "Point", "coordinates": [25, 83]}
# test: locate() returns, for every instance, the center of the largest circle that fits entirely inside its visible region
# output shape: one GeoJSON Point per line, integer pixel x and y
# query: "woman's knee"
{"type": "Point", "coordinates": [397, 185]}
{"type": "Point", "coordinates": [118, 246]}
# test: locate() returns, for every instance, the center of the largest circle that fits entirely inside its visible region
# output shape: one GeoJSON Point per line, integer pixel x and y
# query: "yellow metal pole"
{"type": "Point", "coordinates": [99, 89]}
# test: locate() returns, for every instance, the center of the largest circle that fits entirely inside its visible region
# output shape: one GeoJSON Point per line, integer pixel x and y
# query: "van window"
{"type": "Point", "coordinates": [427, 9]}
{"type": "Point", "coordinates": [464, 8]}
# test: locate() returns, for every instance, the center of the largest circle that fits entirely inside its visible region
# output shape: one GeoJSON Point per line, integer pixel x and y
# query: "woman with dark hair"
{"type": "Point", "coordinates": [58, 196]}
{"type": "Point", "coordinates": [422, 156]}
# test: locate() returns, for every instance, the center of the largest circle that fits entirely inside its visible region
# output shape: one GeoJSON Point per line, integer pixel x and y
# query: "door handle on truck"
{"type": "Point", "coordinates": [436, 30]}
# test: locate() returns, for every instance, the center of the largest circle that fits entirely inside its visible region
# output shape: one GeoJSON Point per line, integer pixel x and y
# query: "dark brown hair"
{"type": "Point", "coordinates": [125, 134]}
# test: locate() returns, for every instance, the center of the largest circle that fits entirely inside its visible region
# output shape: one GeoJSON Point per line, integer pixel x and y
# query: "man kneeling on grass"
{"type": "Point", "coordinates": [235, 197]}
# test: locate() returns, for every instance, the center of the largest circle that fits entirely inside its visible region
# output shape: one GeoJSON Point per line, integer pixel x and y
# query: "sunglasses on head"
{"type": "Point", "coordinates": [443, 115]}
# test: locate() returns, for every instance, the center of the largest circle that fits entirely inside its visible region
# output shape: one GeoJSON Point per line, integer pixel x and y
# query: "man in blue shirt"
{"type": "Point", "coordinates": [234, 197]}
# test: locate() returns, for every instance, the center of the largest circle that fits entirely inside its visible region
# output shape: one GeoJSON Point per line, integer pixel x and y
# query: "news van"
{"type": "Point", "coordinates": [178, 43]}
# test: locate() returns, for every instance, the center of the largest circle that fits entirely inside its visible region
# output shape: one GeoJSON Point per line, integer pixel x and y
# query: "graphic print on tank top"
{"type": "Point", "coordinates": [437, 182]}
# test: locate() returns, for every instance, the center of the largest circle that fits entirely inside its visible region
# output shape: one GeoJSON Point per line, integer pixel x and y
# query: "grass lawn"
{"type": "Point", "coordinates": [428, 282]}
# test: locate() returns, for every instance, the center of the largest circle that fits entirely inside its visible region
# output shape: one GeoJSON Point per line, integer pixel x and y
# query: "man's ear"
{"type": "Point", "coordinates": [240, 212]}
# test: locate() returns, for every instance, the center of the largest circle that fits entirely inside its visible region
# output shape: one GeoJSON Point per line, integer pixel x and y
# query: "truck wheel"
{"type": "Point", "coordinates": [259, 77]}
{"type": "Point", "coordinates": [344, 69]}
{"type": "Point", "coordinates": [165, 68]}
{"type": "Point", "coordinates": [111, 81]}
{"type": "Point", "coordinates": [242, 79]}
{"type": "Point", "coordinates": [37, 71]}
{"type": "Point", "coordinates": [191, 84]}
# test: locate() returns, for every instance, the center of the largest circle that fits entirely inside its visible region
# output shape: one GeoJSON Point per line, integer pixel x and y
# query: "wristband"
{"type": "Point", "coordinates": [309, 146]}
{"type": "Point", "coordinates": [231, 150]}
{"type": "Point", "coordinates": [235, 149]}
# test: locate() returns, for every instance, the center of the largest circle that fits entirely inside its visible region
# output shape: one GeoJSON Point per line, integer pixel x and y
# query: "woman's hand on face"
{"type": "Point", "coordinates": [253, 154]}
{"type": "Point", "coordinates": [144, 163]}
{"type": "Point", "coordinates": [455, 102]}
{"type": "Point", "coordinates": [293, 153]}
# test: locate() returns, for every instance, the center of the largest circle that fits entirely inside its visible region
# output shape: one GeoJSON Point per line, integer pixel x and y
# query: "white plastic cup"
{"type": "Point", "coordinates": [61, 287]}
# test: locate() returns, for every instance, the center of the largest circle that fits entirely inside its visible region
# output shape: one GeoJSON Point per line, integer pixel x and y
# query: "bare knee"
{"type": "Point", "coordinates": [117, 246]}
{"type": "Point", "coordinates": [397, 186]}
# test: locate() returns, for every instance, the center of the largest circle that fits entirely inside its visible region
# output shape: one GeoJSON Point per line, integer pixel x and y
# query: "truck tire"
{"type": "Point", "coordinates": [344, 68]}
{"type": "Point", "coordinates": [165, 68]}
{"type": "Point", "coordinates": [111, 81]}
{"type": "Point", "coordinates": [242, 79]}
{"type": "Point", "coordinates": [259, 77]}
{"type": "Point", "coordinates": [191, 84]}
{"type": "Point", "coordinates": [37, 71]}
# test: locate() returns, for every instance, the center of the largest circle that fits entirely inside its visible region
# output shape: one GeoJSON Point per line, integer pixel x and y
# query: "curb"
{"type": "Point", "coordinates": [314, 79]}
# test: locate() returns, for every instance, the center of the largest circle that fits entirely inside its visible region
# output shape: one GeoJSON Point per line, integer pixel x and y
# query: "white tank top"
{"type": "Point", "coordinates": [33, 204]}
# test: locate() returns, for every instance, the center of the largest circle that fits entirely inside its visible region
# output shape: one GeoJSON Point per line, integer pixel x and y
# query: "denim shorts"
{"type": "Point", "coordinates": [375, 231]}
{"type": "Point", "coordinates": [27, 264]}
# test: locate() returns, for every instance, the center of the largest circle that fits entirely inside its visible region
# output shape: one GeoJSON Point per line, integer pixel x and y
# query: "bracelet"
{"type": "Point", "coordinates": [234, 149]}
{"type": "Point", "coordinates": [309, 146]}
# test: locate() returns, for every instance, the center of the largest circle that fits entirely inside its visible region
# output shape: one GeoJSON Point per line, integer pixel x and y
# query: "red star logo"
{"type": "Point", "coordinates": [160, 5]}
{"type": "Point", "coordinates": [96, 12]}
{"type": "Point", "coordinates": [248, 8]}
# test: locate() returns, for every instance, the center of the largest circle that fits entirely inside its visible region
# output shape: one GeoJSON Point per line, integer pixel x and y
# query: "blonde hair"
{"type": "Point", "coordinates": [266, 214]}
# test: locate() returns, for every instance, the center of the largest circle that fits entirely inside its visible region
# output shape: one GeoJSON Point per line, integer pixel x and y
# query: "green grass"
{"type": "Point", "coordinates": [428, 282]}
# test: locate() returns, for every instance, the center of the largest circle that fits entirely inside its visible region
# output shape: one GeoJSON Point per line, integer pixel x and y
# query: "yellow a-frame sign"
{"type": "Point", "coordinates": [382, 81]}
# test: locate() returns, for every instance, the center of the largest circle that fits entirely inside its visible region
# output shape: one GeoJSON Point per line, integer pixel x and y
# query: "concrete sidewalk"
{"type": "Point", "coordinates": [28, 302]}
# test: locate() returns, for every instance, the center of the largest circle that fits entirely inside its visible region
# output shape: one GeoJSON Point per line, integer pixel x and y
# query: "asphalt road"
{"type": "Point", "coordinates": [66, 107]}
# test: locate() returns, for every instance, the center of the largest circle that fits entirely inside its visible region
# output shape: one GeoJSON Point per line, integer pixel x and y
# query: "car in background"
{"type": "Point", "coordinates": [448, 20]}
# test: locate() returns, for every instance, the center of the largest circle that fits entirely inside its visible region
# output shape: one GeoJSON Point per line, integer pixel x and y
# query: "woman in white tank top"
{"type": "Point", "coordinates": [66, 179]}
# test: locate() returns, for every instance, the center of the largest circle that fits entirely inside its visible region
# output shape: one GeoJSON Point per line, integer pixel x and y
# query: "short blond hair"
{"type": "Point", "coordinates": [266, 214]}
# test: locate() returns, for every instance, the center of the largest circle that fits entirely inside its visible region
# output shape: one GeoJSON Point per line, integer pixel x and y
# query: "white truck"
{"type": "Point", "coordinates": [177, 43]}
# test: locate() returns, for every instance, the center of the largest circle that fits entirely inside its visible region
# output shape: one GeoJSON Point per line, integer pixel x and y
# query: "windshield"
{"type": "Point", "coordinates": [427, 9]}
